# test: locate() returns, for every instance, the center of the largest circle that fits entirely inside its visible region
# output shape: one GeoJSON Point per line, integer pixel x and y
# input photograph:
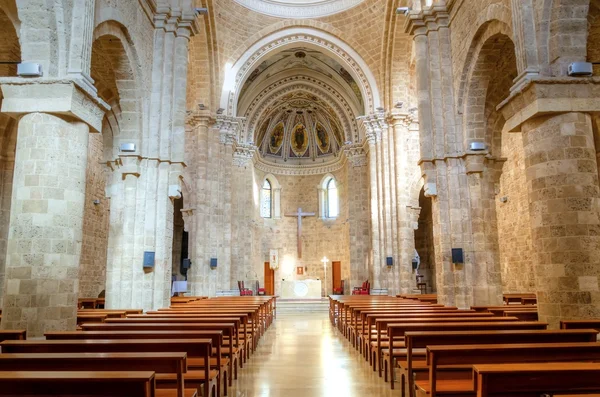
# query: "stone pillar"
{"type": "Point", "coordinates": [375, 265]}
{"type": "Point", "coordinates": [45, 232]}
{"type": "Point", "coordinates": [44, 243]}
{"type": "Point", "coordinates": [359, 215]}
{"type": "Point", "coordinates": [562, 180]}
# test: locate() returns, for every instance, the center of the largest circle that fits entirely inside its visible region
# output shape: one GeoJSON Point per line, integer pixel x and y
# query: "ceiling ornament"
{"type": "Point", "coordinates": [274, 92]}
{"type": "Point", "coordinates": [299, 9]}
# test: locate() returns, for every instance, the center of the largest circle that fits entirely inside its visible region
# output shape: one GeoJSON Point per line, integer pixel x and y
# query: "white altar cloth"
{"type": "Point", "coordinates": [301, 289]}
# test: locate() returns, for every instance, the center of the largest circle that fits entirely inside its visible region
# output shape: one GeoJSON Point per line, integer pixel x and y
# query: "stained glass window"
{"type": "Point", "coordinates": [266, 199]}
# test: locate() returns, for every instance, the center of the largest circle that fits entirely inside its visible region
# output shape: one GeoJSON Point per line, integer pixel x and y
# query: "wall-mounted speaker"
{"type": "Point", "coordinates": [148, 259]}
{"type": "Point", "coordinates": [213, 263]}
{"type": "Point", "coordinates": [457, 256]}
{"type": "Point", "coordinates": [186, 264]}
{"type": "Point", "coordinates": [389, 261]}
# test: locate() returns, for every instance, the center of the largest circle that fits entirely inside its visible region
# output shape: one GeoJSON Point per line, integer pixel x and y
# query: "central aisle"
{"type": "Point", "coordinates": [302, 355]}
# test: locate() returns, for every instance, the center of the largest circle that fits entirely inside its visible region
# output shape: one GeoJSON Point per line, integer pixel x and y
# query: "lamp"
{"type": "Point", "coordinates": [325, 260]}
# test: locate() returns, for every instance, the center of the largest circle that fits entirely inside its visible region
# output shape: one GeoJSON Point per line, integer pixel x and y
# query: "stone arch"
{"type": "Point", "coordinates": [115, 70]}
{"type": "Point", "coordinates": [480, 93]}
{"type": "Point", "coordinates": [289, 38]}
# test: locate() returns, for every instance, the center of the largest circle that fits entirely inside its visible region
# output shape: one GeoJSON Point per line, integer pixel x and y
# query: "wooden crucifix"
{"type": "Point", "coordinates": [300, 214]}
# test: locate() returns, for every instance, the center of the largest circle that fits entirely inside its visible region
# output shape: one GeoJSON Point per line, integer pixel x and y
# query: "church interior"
{"type": "Point", "coordinates": [304, 191]}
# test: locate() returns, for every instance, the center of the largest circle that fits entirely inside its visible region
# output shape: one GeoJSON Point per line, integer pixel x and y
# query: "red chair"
{"type": "Point", "coordinates": [363, 290]}
{"type": "Point", "coordinates": [340, 290]}
{"type": "Point", "coordinates": [244, 291]}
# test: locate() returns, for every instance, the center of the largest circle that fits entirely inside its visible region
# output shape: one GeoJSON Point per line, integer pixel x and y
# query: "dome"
{"type": "Point", "coordinates": [300, 128]}
{"type": "Point", "coordinates": [299, 9]}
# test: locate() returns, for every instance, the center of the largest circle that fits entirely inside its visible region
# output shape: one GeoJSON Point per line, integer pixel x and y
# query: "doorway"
{"type": "Point", "coordinates": [336, 275]}
{"type": "Point", "coordinates": [269, 280]}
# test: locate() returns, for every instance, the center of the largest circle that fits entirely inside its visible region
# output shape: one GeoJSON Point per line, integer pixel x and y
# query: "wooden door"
{"type": "Point", "coordinates": [336, 274]}
{"type": "Point", "coordinates": [269, 280]}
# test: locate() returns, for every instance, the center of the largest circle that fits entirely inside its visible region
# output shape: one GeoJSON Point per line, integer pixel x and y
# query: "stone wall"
{"type": "Point", "coordinates": [320, 237]}
{"type": "Point", "coordinates": [92, 266]}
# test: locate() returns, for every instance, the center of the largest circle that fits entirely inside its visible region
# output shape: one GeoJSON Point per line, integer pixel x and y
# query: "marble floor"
{"type": "Point", "coordinates": [302, 355]}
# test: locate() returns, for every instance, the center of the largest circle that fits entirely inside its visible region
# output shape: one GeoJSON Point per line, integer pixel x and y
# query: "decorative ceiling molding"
{"type": "Point", "coordinates": [300, 83]}
{"type": "Point", "coordinates": [297, 9]}
{"type": "Point", "coordinates": [299, 169]}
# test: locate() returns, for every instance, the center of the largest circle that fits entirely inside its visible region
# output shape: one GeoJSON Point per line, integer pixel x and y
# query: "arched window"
{"type": "Point", "coordinates": [332, 208]}
{"type": "Point", "coordinates": [266, 200]}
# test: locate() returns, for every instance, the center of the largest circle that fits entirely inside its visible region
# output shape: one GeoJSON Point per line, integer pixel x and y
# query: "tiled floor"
{"type": "Point", "coordinates": [302, 355]}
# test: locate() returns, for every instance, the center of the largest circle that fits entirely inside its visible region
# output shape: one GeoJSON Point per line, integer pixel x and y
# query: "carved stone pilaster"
{"type": "Point", "coordinates": [356, 154]}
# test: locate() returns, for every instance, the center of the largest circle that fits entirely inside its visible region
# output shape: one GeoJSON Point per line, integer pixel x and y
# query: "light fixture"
{"type": "Point", "coordinates": [477, 146]}
{"type": "Point", "coordinates": [96, 202]}
{"type": "Point", "coordinates": [29, 69]}
{"type": "Point", "coordinates": [201, 106]}
{"type": "Point", "coordinates": [127, 147]}
{"type": "Point", "coordinates": [201, 11]}
{"type": "Point", "coordinates": [580, 69]}
{"type": "Point", "coordinates": [402, 10]}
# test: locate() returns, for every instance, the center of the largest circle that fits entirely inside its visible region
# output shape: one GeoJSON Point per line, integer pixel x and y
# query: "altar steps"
{"type": "Point", "coordinates": [291, 306]}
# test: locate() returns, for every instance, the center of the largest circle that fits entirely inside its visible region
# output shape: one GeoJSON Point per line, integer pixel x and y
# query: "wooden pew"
{"type": "Point", "coordinates": [91, 318]}
{"type": "Point", "coordinates": [580, 324]}
{"type": "Point", "coordinates": [200, 348]}
{"type": "Point", "coordinates": [468, 355]}
{"type": "Point", "coordinates": [382, 326]}
{"type": "Point", "coordinates": [517, 298]}
{"type": "Point", "coordinates": [173, 363]}
{"type": "Point", "coordinates": [18, 334]}
{"type": "Point", "coordinates": [527, 380]}
{"type": "Point", "coordinates": [219, 362]}
{"type": "Point", "coordinates": [228, 330]}
{"type": "Point", "coordinates": [399, 329]}
{"type": "Point", "coordinates": [416, 342]}
{"type": "Point", "coordinates": [77, 383]}
{"type": "Point", "coordinates": [233, 351]}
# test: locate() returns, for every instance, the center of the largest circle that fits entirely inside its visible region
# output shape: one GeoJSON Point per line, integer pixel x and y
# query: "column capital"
{"type": "Point", "coordinates": [375, 124]}
{"type": "Point", "coordinates": [356, 154]}
{"type": "Point", "coordinates": [243, 154]}
{"type": "Point", "coordinates": [544, 96]}
{"type": "Point", "coordinates": [66, 97]}
{"type": "Point", "coordinates": [229, 128]}
{"type": "Point", "coordinates": [421, 22]}
{"type": "Point", "coordinates": [199, 118]}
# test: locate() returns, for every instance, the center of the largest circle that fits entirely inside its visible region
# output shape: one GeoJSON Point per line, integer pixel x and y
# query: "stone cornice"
{"type": "Point", "coordinates": [67, 97]}
{"type": "Point", "coordinates": [199, 118]}
{"type": "Point", "coordinates": [543, 96]}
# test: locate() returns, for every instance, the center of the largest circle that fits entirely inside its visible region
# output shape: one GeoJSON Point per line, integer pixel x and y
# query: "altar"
{"type": "Point", "coordinates": [301, 289]}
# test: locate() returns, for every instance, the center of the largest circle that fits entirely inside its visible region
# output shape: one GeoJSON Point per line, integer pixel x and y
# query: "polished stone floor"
{"type": "Point", "coordinates": [302, 355]}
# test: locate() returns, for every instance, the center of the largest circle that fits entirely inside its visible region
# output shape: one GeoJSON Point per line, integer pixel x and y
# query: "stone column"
{"type": "Point", "coordinates": [198, 275]}
{"type": "Point", "coordinates": [405, 164]}
{"type": "Point", "coordinates": [562, 180]}
{"type": "Point", "coordinates": [359, 215]}
{"type": "Point", "coordinates": [375, 265]}
{"type": "Point", "coordinates": [44, 243]}
{"type": "Point", "coordinates": [244, 212]}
